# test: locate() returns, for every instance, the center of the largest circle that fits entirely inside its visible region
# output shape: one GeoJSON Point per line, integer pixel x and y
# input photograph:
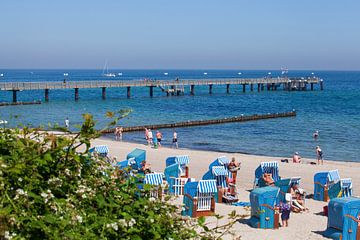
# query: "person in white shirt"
{"type": "Point", "coordinates": [175, 140]}
{"type": "Point", "coordinates": [150, 136]}
{"type": "Point", "coordinates": [67, 123]}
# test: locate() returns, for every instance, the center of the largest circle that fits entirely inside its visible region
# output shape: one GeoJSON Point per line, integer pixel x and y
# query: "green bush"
{"type": "Point", "coordinates": [52, 188]}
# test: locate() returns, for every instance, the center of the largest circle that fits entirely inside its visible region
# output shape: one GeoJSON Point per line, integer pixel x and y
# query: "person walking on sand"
{"type": "Point", "coordinates": [67, 123]}
{"type": "Point", "coordinates": [319, 155]}
{"type": "Point", "coordinates": [316, 134]}
{"type": "Point", "coordinates": [285, 209]}
{"type": "Point", "coordinates": [116, 133]}
{"type": "Point", "coordinates": [158, 137]}
{"type": "Point", "coordinates": [147, 136]}
{"type": "Point", "coordinates": [175, 140]}
{"type": "Point", "coordinates": [150, 137]}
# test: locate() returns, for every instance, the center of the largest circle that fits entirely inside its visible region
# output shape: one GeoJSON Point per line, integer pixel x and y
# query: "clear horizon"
{"type": "Point", "coordinates": [186, 35]}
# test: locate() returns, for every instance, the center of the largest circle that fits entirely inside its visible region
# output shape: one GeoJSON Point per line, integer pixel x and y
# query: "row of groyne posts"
{"type": "Point", "coordinates": [171, 87]}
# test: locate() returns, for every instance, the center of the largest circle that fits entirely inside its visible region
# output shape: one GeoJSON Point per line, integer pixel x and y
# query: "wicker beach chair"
{"type": "Point", "coordinates": [101, 150]}
{"type": "Point", "coordinates": [176, 182]}
{"type": "Point", "coordinates": [343, 219]}
{"type": "Point", "coordinates": [266, 167]}
{"type": "Point", "coordinates": [199, 198]}
{"type": "Point", "coordinates": [183, 161]}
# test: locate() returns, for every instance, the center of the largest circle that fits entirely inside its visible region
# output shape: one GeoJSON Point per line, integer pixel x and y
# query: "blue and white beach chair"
{"type": "Point", "coordinates": [102, 150]}
{"type": "Point", "coordinates": [199, 198]}
{"type": "Point", "coordinates": [329, 185]}
{"type": "Point", "coordinates": [183, 161]}
{"type": "Point", "coordinates": [175, 181]}
{"type": "Point", "coordinates": [284, 185]}
{"type": "Point", "coordinates": [266, 167]}
{"type": "Point", "coordinates": [139, 156]}
{"type": "Point", "coordinates": [343, 219]}
{"type": "Point", "coordinates": [155, 179]}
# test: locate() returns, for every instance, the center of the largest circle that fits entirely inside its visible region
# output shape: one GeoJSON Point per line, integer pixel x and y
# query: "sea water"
{"type": "Point", "coordinates": [334, 112]}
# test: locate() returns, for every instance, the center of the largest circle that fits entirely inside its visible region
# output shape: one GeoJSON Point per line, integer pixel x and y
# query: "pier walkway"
{"type": "Point", "coordinates": [170, 87]}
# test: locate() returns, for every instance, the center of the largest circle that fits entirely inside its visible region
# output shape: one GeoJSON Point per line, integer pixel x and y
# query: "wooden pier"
{"type": "Point", "coordinates": [170, 87]}
{"type": "Point", "coordinates": [206, 122]}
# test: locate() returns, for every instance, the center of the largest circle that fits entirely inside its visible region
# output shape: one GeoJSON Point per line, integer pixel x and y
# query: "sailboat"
{"type": "Point", "coordinates": [106, 73]}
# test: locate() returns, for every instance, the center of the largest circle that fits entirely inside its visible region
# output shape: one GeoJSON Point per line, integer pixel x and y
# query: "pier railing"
{"type": "Point", "coordinates": [10, 86]}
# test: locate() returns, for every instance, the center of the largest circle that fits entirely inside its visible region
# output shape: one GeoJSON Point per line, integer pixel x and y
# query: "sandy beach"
{"type": "Point", "coordinates": [307, 225]}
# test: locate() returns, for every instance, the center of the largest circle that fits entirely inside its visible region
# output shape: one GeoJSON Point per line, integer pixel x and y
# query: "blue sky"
{"type": "Point", "coordinates": [186, 34]}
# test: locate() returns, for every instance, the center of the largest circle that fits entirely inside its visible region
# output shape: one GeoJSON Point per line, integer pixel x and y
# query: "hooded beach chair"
{"type": "Point", "coordinates": [199, 198]}
{"type": "Point", "coordinates": [155, 179]}
{"type": "Point", "coordinates": [175, 180]}
{"type": "Point", "coordinates": [264, 214]}
{"type": "Point", "coordinates": [266, 167]}
{"type": "Point", "coordinates": [329, 185]}
{"type": "Point", "coordinates": [102, 150]}
{"type": "Point", "coordinates": [139, 156]}
{"type": "Point", "coordinates": [183, 161]}
{"type": "Point", "coordinates": [221, 175]}
{"type": "Point", "coordinates": [343, 219]}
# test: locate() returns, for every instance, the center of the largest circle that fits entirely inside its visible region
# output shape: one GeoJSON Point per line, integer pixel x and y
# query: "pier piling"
{"type": "Point", "coordinates": [192, 90]}
{"type": "Point", "coordinates": [46, 95]}
{"type": "Point", "coordinates": [128, 92]}
{"type": "Point", "coordinates": [259, 87]}
{"type": "Point", "coordinates": [103, 93]}
{"type": "Point", "coordinates": [321, 85]}
{"type": "Point", "coordinates": [151, 91]}
{"type": "Point", "coordinates": [14, 92]}
{"type": "Point", "coordinates": [244, 87]}
{"type": "Point", "coordinates": [251, 87]}
{"type": "Point", "coordinates": [311, 86]}
{"type": "Point", "coordinates": [210, 88]}
{"type": "Point", "coordinates": [227, 88]}
{"type": "Point", "coordinates": [76, 94]}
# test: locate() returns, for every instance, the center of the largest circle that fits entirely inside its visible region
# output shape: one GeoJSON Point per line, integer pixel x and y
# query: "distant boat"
{"type": "Point", "coordinates": [1, 74]}
{"type": "Point", "coordinates": [166, 73]}
{"type": "Point", "coordinates": [205, 73]}
{"type": "Point", "coordinates": [106, 72]}
{"type": "Point", "coordinates": [3, 122]}
{"type": "Point", "coordinates": [119, 74]}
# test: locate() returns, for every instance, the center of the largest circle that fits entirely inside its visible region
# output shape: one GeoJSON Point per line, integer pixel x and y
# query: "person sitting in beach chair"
{"type": "Point", "coordinates": [266, 180]}
{"type": "Point", "coordinates": [145, 167]}
{"type": "Point", "coordinates": [298, 198]}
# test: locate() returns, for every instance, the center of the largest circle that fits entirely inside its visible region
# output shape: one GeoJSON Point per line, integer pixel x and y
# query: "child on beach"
{"type": "Point", "coordinates": [285, 209]}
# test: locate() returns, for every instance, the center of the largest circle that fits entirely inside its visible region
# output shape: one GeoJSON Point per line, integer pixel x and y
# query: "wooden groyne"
{"type": "Point", "coordinates": [254, 117]}
{"type": "Point", "coordinates": [18, 103]}
{"type": "Point", "coordinates": [170, 87]}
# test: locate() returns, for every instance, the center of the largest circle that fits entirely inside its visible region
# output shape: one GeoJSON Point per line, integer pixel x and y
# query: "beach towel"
{"type": "Point", "coordinates": [242, 204]}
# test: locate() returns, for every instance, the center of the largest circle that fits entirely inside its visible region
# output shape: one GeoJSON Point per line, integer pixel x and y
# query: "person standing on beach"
{"type": "Point", "coordinates": [116, 133]}
{"type": "Point", "coordinates": [158, 137]}
{"type": "Point", "coordinates": [147, 135]}
{"type": "Point", "coordinates": [319, 155]}
{"type": "Point", "coordinates": [67, 123]}
{"type": "Point", "coordinates": [150, 137]}
{"type": "Point", "coordinates": [175, 140]}
{"type": "Point", "coordinates": [120, 133]}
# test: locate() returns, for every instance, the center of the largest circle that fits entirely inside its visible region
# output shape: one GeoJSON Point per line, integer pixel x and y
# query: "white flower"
{"type": "Point", "coordinates": [44, 195]}
{"type": "Point", "coordinates": [152, 199]}
{"type": "Point", "coordinates": [79, 218]}
{"type": "Point", "coordinates": [3, 166]}
{"type": "Point", "coordinates": [131, 222]}
{"type": "Point", "coordinates": [20, 179]}
{"type": "Point", "coordinates": [67, 172]}
{"type": "Point", "coordinates": [122, 222]}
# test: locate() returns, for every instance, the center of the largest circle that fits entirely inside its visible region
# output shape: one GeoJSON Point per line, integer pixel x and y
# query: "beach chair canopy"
{"type": "Point", "coordinates": [125, 163]}
{"type": "Point", "coordinates": [202, 186]}
{"type": "Point", "coordinates": [327, 177]}
{"type": "Point", "coordinates": [219, 171]}
{"type": "Point", "coordinates": [180, 159]}
{"type": "Point", "coordinates": [154, 178]}
{"type": "Point", "coordinates": [220, 161]}
{"type": "Point", "coordinates": [103, 150]}
{"type": "Point", "coordinates": [268, 167]}
{"type": "Point", "coordinates": [139, 155]}
{"type": "Point", "coordinates": [339, 207]}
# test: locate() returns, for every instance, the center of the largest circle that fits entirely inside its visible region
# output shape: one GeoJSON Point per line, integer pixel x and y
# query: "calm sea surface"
{"type": "Point", "coordinates": [335, 112]}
